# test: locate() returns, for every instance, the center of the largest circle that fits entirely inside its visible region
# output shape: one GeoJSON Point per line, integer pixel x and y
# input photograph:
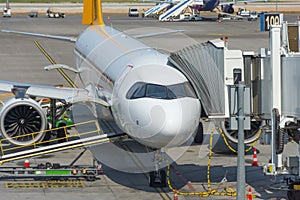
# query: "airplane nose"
{"type": "Point", "coordinates": [165, 123]}
{"type": "Point", "coordinates": [181, 124]}
{"type": "Point", "coordinates": [155, 104]}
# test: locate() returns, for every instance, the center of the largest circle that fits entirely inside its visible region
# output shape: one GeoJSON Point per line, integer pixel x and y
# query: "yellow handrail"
{"type": "Point", "coordinates": [66, 137]}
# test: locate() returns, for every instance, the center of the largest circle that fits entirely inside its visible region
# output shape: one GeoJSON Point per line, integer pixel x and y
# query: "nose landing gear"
{"type": "Point", "coordinates": [158, 178]}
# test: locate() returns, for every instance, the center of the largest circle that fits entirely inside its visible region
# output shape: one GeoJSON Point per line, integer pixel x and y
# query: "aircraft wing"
{"type": "Point", "coordinates": [70, 95]}
{"type": "Point", "coordinates": [72, 39]}
{"type": "Point", "coordinates": [57, 37]}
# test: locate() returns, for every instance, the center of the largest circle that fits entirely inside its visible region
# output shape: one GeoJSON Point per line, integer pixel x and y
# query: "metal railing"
{"type": "Point", "coordinates": [63, 142]}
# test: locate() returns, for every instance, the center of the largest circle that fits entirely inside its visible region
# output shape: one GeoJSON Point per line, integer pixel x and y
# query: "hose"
{"type": "Point", "coordinates": [227, 191]}
{"type": "Point", "coordinates": [279, 133]}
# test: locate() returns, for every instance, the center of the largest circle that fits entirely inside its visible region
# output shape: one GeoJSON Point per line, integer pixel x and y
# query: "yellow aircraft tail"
{"type": "Point", "coordinates": [92, 12]}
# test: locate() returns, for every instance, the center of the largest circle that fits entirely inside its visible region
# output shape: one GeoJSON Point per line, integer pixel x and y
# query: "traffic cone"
{"type": "Point", "coordinates": [175, 195]}
{"type": "Point", "coordinates": [249, 195]}
{"type": "Point", "coordinates": [26, 163]}
{"type": "Point", "coordinates": [254, 161]}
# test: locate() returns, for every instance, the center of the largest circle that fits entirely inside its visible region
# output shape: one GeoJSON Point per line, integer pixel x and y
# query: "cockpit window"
{"type": "Point", "coordinates": [140, 90]}
{"type": "Point", "coordinates": [177, 91]}
{"type": "Point", "coordinates": [156, 91]}
{"type": "Point", "coordinates": [137, 91]}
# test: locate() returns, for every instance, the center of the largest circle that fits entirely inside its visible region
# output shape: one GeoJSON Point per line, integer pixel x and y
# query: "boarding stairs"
{"type": "Point", "coordinates": [71, 140]}
{"type": "Point", "coordinates": [177, 9]}
{"type": "Point", "coordinates": [156, 9]}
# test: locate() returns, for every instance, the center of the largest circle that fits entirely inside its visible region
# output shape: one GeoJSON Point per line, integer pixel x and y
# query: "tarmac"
{"type": "Point", "coordinates": [21, 61]}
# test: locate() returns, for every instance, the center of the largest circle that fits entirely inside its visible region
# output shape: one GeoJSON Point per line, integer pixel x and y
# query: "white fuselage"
{"type": "Point", "coordinates": [150, 100]}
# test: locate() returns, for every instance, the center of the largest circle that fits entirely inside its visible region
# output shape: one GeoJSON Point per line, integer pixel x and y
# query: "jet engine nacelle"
{"type": "Point", "coordinates": [22, 121]}
{"type": "Point", "coordinates": [250, 136]}
{"type": "Point", "coordinates": [228, 9]}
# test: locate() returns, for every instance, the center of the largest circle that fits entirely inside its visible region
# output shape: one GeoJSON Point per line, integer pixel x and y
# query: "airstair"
{"type": "Point", "coordinates": [70, 140]}
{"type": "Point", "coordinates": [177, 9]}
{"type": "Point", "coordinates": [156, 9]}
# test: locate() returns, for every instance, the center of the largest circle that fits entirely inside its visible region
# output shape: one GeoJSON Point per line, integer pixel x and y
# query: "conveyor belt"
{"type": "Point", "coordinates": [91, 137]}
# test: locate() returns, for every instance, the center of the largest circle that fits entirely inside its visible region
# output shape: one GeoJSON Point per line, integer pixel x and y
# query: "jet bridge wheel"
{"type": "Point", "coordinates": [199, 134]}
{"type": "Point", "coordinates": [250, 135]}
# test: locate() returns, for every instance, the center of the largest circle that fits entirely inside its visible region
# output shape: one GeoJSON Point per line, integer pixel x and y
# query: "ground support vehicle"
{"type": "Point", "coordinates": [33, 14]}
{"type": "Point", "coordinates": [6, 12]}
{"type": "Point", "coordinates": [133, 12]}
{"type": "Point", "coordinates": [187, 17]}
{"type": "Point", "coordinates": [52, 14]}
{"type": "Point", "coordinates": [247, 14]}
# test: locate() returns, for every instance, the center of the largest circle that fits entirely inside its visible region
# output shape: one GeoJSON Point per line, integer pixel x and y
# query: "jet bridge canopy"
{"type": "Point", "coordinates": [203, 65]}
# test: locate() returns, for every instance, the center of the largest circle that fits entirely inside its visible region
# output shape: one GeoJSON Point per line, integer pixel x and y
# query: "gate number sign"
{"type": "Point", "coordinates": [269, 19]}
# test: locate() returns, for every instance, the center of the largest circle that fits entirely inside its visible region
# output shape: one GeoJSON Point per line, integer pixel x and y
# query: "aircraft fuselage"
{"type": "Point", "coordinates": [150, 100]}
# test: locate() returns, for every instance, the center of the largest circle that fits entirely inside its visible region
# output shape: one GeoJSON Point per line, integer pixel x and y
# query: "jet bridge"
{"type": "Point", "coordinates": [203, 64]}
{"type": "Point", "coordinates": [209, 66]}
{"type": "Point", "coordinates": [213, 70]}
{"type": "Point", "coordinates": [274, 74]}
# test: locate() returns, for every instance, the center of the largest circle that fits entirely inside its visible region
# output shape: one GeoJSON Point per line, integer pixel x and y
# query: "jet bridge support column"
{"type": "Point", "coordinates": [275, 46]}
{"type": "Point", "coordinates": [241, 177]}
